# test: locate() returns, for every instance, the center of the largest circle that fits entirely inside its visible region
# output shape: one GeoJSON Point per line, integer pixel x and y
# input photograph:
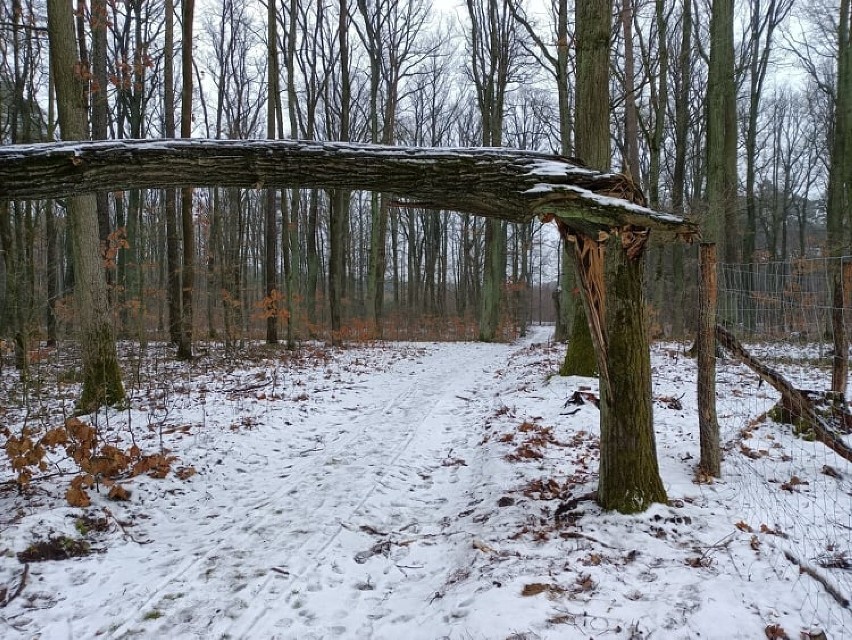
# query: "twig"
{"type": "Point", "coordinates": [842, 600]}
{"type": "Point", "coordinates": [251, 387]}
{"type": "Point", "coordinates": [584, 536]}
{"type": "Point", "coordinates": [124, 531]}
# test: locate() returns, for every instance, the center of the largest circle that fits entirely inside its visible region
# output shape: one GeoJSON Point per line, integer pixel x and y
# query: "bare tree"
{"type": "Point", "coordinates": [494, 64]}
{"type": "Point", "coordinates": [840, 196]}
{"type": "Point", "coordinates": [187, 226]}
{"type": "Point", "coordinates": [101, 373]}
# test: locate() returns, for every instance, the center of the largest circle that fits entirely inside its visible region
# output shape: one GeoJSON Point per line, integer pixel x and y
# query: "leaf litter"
{"type": "Point", "coordinates": [402, 490]}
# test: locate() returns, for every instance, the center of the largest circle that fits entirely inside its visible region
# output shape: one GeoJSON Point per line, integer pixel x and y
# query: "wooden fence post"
{"type": "Point", "coordinates": [708, 423]}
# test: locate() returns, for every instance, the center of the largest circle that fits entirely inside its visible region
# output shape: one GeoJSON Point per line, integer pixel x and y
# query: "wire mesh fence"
{"type": "Point", "coordinates": [793, 489]}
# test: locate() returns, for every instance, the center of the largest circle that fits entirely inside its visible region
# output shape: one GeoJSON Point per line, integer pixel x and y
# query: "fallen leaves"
{"type": "Point", "coordinates": [537, 437]}
{"type": "Point", "coordinates": [118, 493]}
{"type": "Point", "coordinates": [792, 483]}
{"type": "Point", "coordinates": [99, 462]}
{"type": "Point", "coordinates": [776, 632]}
{"type": "Point", "coordinates": [185, 473]}
{"type": "Point", "coordinates": [536, 588]}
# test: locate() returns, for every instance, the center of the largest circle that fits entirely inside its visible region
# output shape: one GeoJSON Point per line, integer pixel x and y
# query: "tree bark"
{"type": "Point", "coordinates": [610, 272]}
{"type": "Point", "coordinates": [710, 463]}
{"type": "Point", "coordinates": [101, 373]}
{"type": "Point", "coordinates": [721, 201]}
{"type": "Point", "coordinates": [512, 185]}
{"type": "Point", "coordinates": [592, 144]}
{"type": "Point", "coordinates": [840, 196]}
{"type": "Point", "coordinates": [270, 244]}
{"type": "Point", "coordinates": [184, 351]}
{"type": "Point", "coordinates": [339, 210]}
{"type": "Point", "coordinates": [173, 288]}
{"type": "Point", "coordinates": [629, 473]}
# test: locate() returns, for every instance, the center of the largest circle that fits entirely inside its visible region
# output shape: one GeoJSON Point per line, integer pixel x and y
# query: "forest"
{"type": "Point", "coordinates": [235, 264]}
{"type": "Point", "coordinates": [235, 208]}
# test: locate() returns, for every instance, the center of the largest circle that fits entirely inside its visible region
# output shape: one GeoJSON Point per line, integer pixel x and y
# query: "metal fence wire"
{"type": "Point", "coordinates": [786, 484]}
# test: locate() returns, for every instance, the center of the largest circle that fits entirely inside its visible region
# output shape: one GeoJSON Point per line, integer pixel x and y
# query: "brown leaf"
{"type": "Point", "coordinates": [775, 632]}
{"type": "Point", "coordinates": [77, 497]}
{"type": "Point", "coordinates": [185, 473]}
{"type": "Point", "coordinates": [118, 493]}
{"type": "Point", "coordinates": [55, 437]}
{"type": "Point", "coordinates": [742, 526]}
{"type": "Point", "coordinates": [535, 588]}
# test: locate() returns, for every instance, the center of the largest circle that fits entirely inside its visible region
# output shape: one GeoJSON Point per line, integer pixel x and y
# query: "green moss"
{"type": "Point", "coordinates": [101, 385]}
{"type": "Point", "coordinates": [580, 357]}
{"type": "Point", "coordinates": [55, 548]}
{"type": "Point", "coordinates": [801, 429]}
{"type": "Point", "coordinates": [153, 614]}
{"type": "Point", "coordinates": [629, 473]}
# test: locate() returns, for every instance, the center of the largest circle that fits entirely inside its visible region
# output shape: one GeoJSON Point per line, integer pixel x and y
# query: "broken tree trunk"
{"type": "Point", "coordinates": [590, 207]}
{"type": "Point", "coordinates": [800, 404]}
{"type": "Point", "coordinates": [507, 184]}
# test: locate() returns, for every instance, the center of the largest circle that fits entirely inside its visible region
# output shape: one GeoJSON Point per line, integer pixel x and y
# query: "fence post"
{"type": "Point", "coordinates": [708, 424]}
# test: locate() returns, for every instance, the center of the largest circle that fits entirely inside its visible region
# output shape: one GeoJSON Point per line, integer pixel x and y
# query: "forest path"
{"type": "Point", "coordinates": [332, 523]}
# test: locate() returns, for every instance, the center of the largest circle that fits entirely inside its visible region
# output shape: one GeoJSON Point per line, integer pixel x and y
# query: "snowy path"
{"type": "Point", "coordinates": [283, 554]}
{"type": "Point", "coordinates": [411, 491]}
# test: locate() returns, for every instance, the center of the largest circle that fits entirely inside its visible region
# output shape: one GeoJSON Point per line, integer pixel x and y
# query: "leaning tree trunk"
{"type": "Point", "coordinates": [101, 373]}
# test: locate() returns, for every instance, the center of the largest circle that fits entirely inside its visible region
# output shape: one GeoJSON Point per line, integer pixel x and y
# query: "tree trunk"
{"type": "Point", "coordinates": [631, 115]}
{"type": "Point", "coordinates": [721, 201]}
{"type": "Point", "coordinates": [101, 373]}
{"type": "Point", "coordinates": [51, 272]}
{"type": "Point", "coordinates": [492, 286]}
{"type": "Point", "coordinates": [173, 289]}
{"type": "Point", "coordinates": [339, 210]}
{"type": "Point", "coordinates": [710, 463]}
{"type": "Point", "coordinates": [270, 245]}
{"type": "Point", "coordinates": [629, 474]}
{"type": "Point", "coordinates": [592, 144]}
{"type": "Point", "coordinates": [840, 196]}
{"type": "Point", "coordinates": [184, 351]}
{"type": "Point", "coordinates": [100, 118]}
{"type": "Point", "coordinates": [611, 278]}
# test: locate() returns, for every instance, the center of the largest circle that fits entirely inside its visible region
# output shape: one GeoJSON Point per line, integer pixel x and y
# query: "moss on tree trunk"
{"type": "Point", "coordinates": [629, 473]}
{"type": "Point", "coordinates": [101, 373]}
{"type": "Point", "coordinates": [580, 357]}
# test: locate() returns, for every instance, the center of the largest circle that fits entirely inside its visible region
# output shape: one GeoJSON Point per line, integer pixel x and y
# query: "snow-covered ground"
{"type": "Point", "coordinates": [425, 491]}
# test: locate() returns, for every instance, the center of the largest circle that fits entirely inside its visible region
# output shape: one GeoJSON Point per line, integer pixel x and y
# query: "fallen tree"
{"type": "Point", "coordinates": [826, 417]}
{"type": "Point", "coordinates": [502, 183]}
{"type": "Point", "coordinates": [601, 215]}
